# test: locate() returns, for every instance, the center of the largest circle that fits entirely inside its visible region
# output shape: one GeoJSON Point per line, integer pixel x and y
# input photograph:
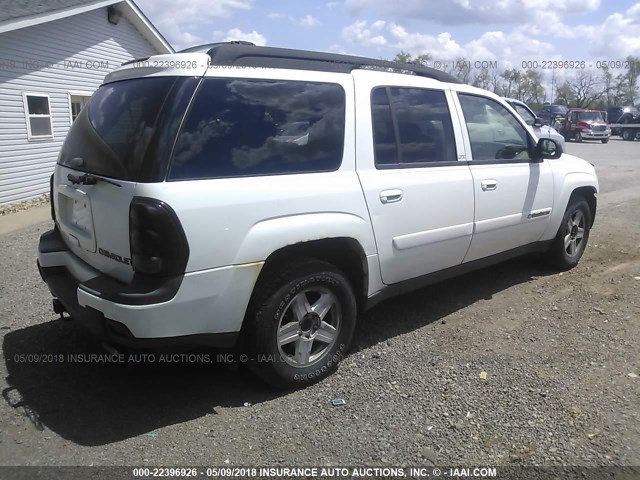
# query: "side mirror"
{"type": "Point", "coordinates": [538, 122]}
{"type": "Point", "coordinates": [547, 148]}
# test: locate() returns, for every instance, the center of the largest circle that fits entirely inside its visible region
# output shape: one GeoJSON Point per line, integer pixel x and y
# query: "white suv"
{"type": "Point", "coordinates": [260, 198]}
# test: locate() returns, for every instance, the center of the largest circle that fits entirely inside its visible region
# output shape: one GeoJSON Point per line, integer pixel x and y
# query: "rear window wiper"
{"type": "Point", "coordinates": [89, 179]}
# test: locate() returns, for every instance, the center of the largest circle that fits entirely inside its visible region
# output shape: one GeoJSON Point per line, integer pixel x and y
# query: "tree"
{"type": "Point", "coordinates": [404, 57]}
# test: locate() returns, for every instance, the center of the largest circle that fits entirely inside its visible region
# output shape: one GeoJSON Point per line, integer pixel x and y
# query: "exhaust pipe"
{"type": "Point", "coordinates": [59, 309]}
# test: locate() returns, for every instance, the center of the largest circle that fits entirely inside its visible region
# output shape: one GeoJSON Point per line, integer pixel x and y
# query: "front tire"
{"type": "Point", "coordinates": [301, 324]}
{"type": "Point", "coordinates": [573, 235]}
{"type": "Point", "coordinates": [578, 137]}
{"type": "Point", "coordinates": [605, 140]}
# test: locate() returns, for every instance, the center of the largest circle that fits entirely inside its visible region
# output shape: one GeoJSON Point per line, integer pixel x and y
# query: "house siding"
{"type": "Point", "coordinates": [70, 54]}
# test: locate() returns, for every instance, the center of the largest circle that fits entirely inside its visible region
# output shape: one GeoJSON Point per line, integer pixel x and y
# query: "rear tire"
{"type": "Point", "coordinates": [573, 235]}
{"type": "Point", "coordinates": [300, 324]}
{"type": "Point", "coordinates": [628, 134]}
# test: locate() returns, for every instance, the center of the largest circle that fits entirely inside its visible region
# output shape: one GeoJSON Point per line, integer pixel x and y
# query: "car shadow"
{"type": "Point", "coordinates": [54, 380]}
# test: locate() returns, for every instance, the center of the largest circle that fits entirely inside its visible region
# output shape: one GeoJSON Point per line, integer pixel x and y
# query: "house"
{"type": "Point", "coordinates": [53, 55]}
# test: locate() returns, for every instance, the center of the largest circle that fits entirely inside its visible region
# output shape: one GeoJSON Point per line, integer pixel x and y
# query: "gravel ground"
{"type": "Point", "coordinates": [24, 205]}
{"type": "Point", "coordinates": [561, 353]}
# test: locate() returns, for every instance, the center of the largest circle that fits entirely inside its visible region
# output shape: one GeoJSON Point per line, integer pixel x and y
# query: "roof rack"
{"type": "Point", "coordinates": [246, 54]}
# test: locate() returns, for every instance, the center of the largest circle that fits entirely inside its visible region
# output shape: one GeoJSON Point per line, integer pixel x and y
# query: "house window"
{"type": "Point", "coordinates": [77, 101]}
{"type": "Point", "coordinates": [37, 109]}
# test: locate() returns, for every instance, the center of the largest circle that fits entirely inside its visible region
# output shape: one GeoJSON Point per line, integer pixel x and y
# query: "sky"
{"type": "Point", "coordinates": [508, 32]}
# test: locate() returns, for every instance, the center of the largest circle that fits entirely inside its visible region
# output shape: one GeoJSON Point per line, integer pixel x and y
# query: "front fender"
{"type": "Point", "coordinates": [564, 189]}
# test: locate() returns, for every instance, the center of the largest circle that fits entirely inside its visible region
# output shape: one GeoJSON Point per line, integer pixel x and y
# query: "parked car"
{"type": "Point", "coordinates": [200, 200]}
{"type": "Point", "coordinates": [548, 113]}
{"type": "Point", "coordinates": [582, 124]}
{"type": "Point", "coordinates": [530, 118]}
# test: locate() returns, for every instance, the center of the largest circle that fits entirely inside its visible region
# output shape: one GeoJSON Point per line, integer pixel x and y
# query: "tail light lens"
{"type": "Point", "coordinates": [158, 243]}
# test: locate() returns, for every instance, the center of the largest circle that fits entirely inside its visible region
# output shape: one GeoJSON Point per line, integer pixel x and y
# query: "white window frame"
{"type": "Point", "coordinates": [75, 93]}
{"type": "Point", "coordinates": [28, 115]}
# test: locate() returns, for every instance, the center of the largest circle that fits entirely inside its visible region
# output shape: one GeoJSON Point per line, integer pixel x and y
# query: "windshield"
{"type": "Point", "coordinates": [559, 109]}
{"type": "Point", "coordinates": [590, 116]}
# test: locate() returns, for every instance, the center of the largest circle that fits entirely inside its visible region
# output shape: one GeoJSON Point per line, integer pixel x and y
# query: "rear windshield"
{"type": "Point", "coordinates": [123, 123]}
{"type": "Point", "coordinates": [240, 127]}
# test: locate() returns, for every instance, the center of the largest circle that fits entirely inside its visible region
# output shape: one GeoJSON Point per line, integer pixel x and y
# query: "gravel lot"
{"type": "Point", "coordinates": [561, 353]}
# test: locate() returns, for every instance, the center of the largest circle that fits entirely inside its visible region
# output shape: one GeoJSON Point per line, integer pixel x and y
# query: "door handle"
{"type": "Point", "coordinates": [391, 196]}
{"type": "Point", "coordinates": [489, 185]}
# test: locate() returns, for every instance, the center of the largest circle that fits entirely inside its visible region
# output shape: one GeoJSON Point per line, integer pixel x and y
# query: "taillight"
{"type": "Point", "coordinates": [51, 204]}
{"type": "Point", "coordinates": [158, 243]}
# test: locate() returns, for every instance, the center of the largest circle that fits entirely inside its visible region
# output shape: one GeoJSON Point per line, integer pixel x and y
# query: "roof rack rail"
{"type": "Point", "coordinates": [246, 54]}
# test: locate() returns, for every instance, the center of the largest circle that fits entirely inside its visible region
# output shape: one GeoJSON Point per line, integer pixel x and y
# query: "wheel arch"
{"type": "Point", "coordinates": [346, 253]}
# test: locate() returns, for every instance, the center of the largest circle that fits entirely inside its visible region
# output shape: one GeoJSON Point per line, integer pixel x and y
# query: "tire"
{"type": "Point", "coordinates": [570, 242]}
{"type": "Point", "coordinates": [292, 350]}
{"type": "Point", "coordinates": [577, 137]}
{"type": "Point", "coordinates": [628, 134]}
{"type": "Point", "coordinates": [605, 140]}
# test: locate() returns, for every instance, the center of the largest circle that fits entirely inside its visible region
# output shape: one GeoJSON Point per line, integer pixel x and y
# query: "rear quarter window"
{"type": "Point", "coordinates": [245, 127]}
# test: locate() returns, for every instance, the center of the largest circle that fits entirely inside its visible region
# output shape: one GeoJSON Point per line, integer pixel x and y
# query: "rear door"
{"type": "Point", "coordinates": [513, 194]}
{"type": "Point", "coordinates": [419, 195]}
{"type": "Point", "coordinates": [123, 137]}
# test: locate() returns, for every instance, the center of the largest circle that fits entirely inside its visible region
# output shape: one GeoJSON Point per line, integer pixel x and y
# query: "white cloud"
{"type": "Point", "coordinates": [331, 4]}
{"type": "Point", "coordinates": [307, 21]}
{"type": "Point", "coordinates": [359, 33]}
{"type": "Point", "coordinates": [460, 12]}
{"type": "Point", "coordinates": [509, 49]}
{"type": "Point", "coordinates": [237, 34]}
{"type": "Point", "coordinates": [178, 27]}
{"type": "Point", "coordinates": [617, 37]}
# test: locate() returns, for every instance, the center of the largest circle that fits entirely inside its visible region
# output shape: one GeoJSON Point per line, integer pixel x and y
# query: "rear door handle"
{"type": "Point", "coordinates": [489, 185]}
{"type": "Point", "coordinates": [391, 196]}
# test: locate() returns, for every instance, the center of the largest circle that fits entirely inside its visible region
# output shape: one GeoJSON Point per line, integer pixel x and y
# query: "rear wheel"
{"type": "Point", "coordinates": [573, 235]}
{"type": "Point", "coordinates": [628, 134]}
{"type": "Point", "coordinates": [578, 137]}
{"type": "Point", "coordinates": [301, 324]}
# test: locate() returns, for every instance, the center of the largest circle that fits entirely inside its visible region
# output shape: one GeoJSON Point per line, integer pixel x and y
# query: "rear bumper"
{"type": "Point", "coordinates": [205, 307]}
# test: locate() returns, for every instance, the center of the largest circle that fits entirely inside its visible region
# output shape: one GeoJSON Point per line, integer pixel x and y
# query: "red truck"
{"type": "Point", "coordinates": [582, 124]}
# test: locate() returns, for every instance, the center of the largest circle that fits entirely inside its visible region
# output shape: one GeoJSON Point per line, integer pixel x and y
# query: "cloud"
{"type": "Point", "coordinates": [617, 37]}
{"type": "Point", "coordinates": [179, 28]}
{"type": "Point", "coordinates": [306, 21]}
{"type": "Point", "coordinates": [509, 49]}
{"type": "Point", "coordinates": [367, 37]}
{"type": "Point", "coordinates": [461, 12]}
{"type": "Point", "coordinates": [237, 34]}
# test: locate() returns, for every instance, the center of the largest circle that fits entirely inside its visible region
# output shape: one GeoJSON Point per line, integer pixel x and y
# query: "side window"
{"type": "Point", "coordinates": [494, 132]}
{"type": "Point", "coordinates": [411, 126]}
{"type": "Point", "coordinates": [574, 116]}
{"type": "Point", "coordinates": [525, 114]}
{"type": "Point", "coordinates": [244, 127]}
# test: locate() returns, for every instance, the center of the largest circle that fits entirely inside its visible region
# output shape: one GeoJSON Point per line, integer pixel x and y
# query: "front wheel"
{"type": "Point", "coordinates": [573, 234]}
{"type": "Point", "coordinates": [605, 140]}
{"type": "Point", "coordinates": [578, 137]}
{"type": "Point", "coordinates": [301, 325]}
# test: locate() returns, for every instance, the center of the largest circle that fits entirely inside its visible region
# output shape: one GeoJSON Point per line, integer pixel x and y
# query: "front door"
{"type": "Point", "coordinates": [513, 194]}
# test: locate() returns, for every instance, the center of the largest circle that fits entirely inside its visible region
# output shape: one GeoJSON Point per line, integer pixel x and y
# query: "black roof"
{"type": "Point", "coordinates": [14, 9]}
{"type": "Point", "coordinates": [246, 54]}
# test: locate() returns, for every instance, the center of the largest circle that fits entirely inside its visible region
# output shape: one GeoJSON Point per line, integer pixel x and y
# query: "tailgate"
{"type": "Point", "coordinates": [94, 221]}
